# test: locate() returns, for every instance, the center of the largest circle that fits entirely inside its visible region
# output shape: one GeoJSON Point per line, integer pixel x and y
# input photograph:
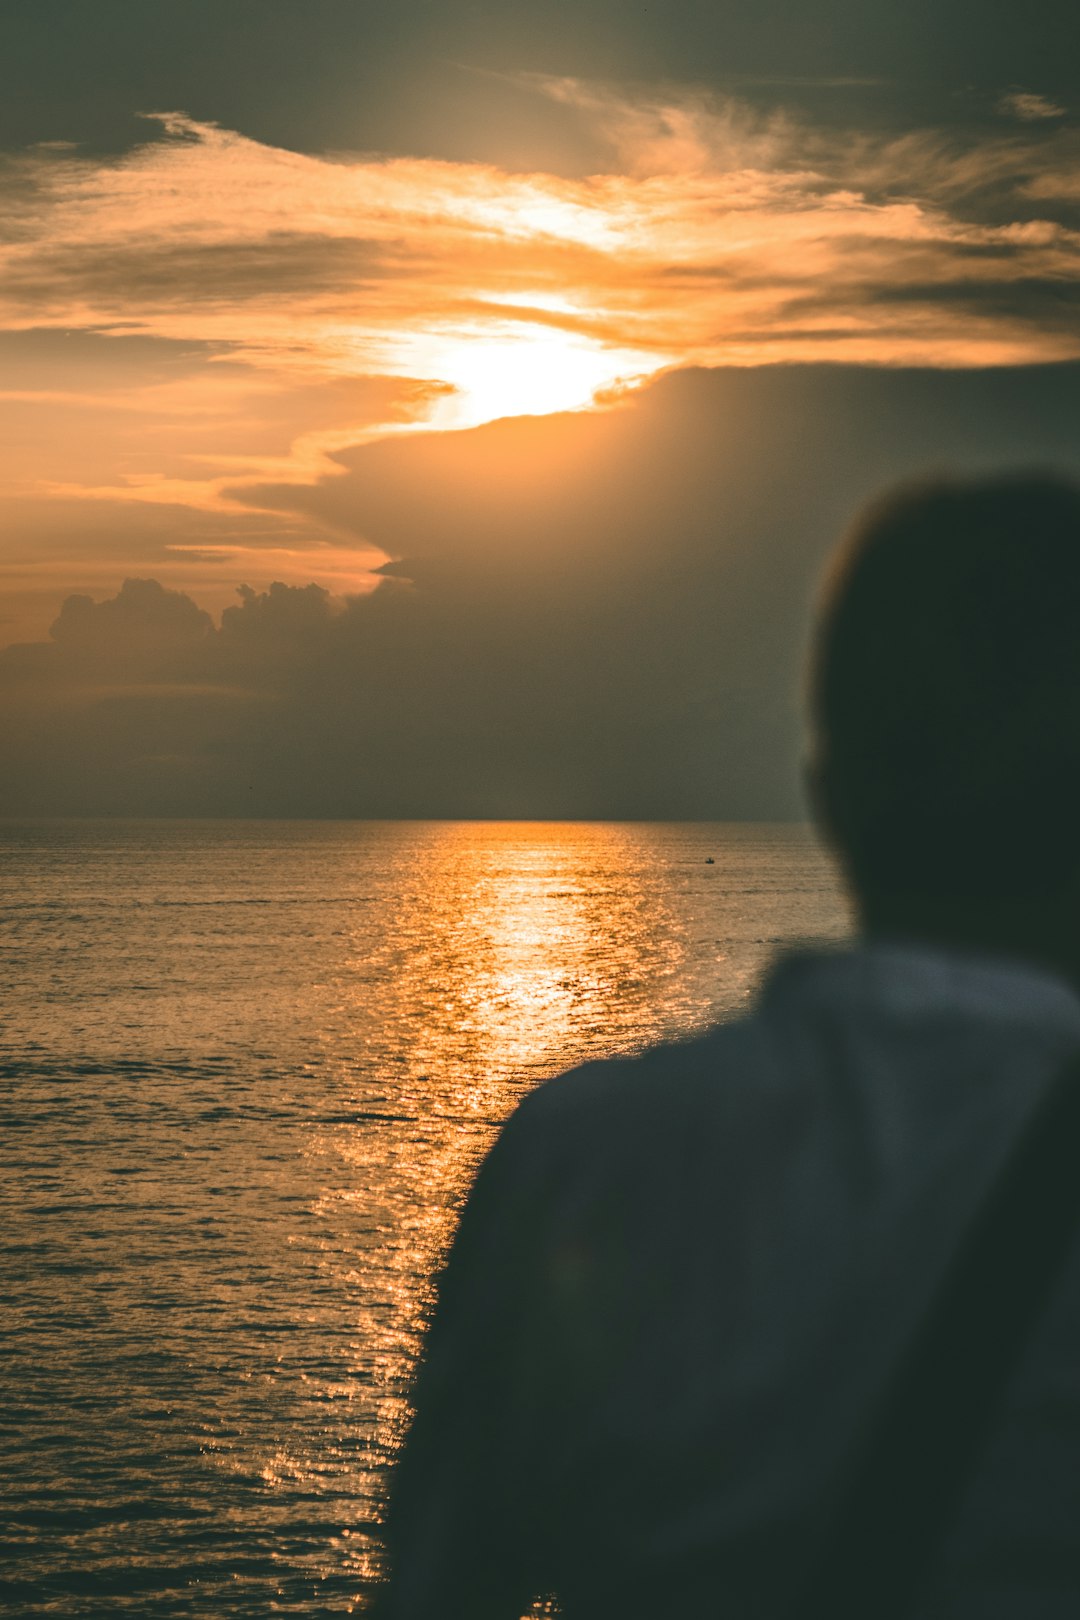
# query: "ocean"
{"type": "Point", "coordinates": [247, 1070]}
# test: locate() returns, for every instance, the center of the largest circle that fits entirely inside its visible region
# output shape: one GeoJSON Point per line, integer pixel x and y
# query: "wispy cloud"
{"type": "Point", "coordinates": [262, 308]}
{"type": "Point", "coordinates": [438, 271]}
{"type": "Point", "coordinates": [1029, 107]}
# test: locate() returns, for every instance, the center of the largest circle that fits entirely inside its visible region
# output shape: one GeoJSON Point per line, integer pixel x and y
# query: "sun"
{"type": "Point", "coordinates": [523, 369]}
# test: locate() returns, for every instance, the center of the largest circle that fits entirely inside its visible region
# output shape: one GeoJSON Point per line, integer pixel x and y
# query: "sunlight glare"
{"type": "Point", "coordinates": [519, 369]}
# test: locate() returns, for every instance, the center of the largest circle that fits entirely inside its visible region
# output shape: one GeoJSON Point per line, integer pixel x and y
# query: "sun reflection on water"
{"type": "Point", "coordinates": [288, 1049]}
{"type": "Point", "coordinates": [515, 950]}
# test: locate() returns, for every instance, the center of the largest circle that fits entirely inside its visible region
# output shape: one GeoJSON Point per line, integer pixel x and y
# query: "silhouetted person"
{"type": "Point", "coordinates": [683, 1279]}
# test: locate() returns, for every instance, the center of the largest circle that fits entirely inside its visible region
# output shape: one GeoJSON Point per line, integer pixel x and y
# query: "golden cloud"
{"type": "Point", "coordinates": [723, 242]}
{"type": "Point", "coordinates": [280, 306]}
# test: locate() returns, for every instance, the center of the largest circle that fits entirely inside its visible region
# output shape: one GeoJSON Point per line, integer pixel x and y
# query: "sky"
{"type": "Point", "coordinates": [448, 409]}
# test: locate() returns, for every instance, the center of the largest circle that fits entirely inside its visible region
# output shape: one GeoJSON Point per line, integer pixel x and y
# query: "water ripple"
{"type": "Point", "coordinates": [253, 1069]}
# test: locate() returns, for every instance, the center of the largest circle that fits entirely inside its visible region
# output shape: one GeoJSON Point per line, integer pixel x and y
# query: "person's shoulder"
{"type": "Point", "coordinates": [657, 1089]}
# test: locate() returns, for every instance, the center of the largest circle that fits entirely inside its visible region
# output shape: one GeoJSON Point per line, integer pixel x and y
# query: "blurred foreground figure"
{"type": "Point", "coordinates": [682, 1280]}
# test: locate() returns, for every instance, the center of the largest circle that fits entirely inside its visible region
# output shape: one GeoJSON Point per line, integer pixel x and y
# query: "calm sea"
{"type": "Point", "coordinates": [246, 1071]}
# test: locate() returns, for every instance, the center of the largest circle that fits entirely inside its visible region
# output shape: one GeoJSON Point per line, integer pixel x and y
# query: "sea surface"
{"type": "Point", "coordinates": [247, 1070]}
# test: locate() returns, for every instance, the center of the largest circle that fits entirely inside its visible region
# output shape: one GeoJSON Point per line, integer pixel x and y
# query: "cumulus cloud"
{"type": "Point", "coordinates": [598, 615]}
{"type": "Point", "coordinates": [144, 620]}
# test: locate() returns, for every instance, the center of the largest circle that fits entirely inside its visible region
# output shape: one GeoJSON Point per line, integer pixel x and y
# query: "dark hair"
{"type": "Point", "coordinates": [945, 690]}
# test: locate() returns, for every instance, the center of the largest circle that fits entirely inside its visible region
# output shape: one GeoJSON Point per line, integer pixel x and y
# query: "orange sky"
{"type": "Point", "coordinates": [206, 312]}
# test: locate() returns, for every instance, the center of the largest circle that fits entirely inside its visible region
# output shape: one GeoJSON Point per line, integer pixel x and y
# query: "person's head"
{"type": "Point", "coordinates": [945, 701]}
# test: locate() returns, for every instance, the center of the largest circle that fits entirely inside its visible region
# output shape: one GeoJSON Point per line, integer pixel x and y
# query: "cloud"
{"type": "Point", "coordinates": [1028, 107]}
{"type": "Point", "coordinates": [586, 615]}
{"type": "Point", "coordinates": [409, 267]}
{"type": "Point", "coordinates": [207, 315]}
{"type": "Point", "coordinates": [143, 621]}
{"type": "Point", "coordinates": [115, 451]}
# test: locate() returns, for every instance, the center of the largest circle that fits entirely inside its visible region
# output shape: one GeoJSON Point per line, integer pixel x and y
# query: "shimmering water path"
{"type": "Point", "coordinates": [246, 1070]}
